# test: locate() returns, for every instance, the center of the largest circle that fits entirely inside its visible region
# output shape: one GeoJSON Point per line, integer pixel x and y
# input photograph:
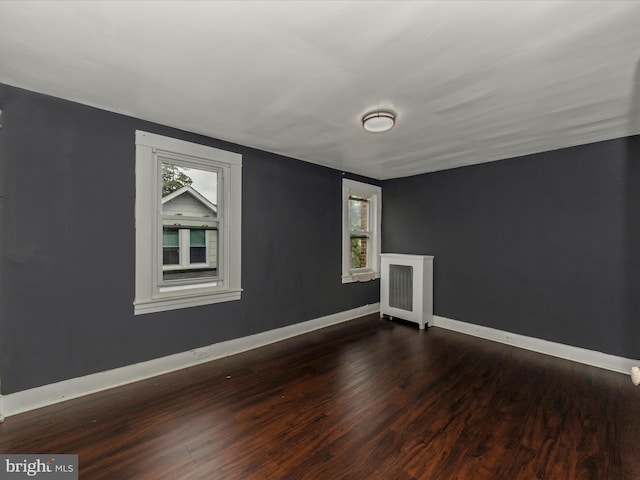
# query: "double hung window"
{"type": "Point", "coordinates": [360, 231]}
{"type": "Point", "coordinates": [187, 224]}
{"type": "Point", "coordinates": [361, 219]}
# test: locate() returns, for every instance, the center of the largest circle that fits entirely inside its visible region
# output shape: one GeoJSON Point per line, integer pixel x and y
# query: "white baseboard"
{"type": "Point", "coordinates": [567, 352]}
{"type": "Point", "coordinates": [38, 397]}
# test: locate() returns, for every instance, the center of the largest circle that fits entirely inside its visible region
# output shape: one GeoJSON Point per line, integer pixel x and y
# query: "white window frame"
{"type": "Point", "coordinates": [373, 194]}
{"type": "Point", "coordinates": [152, 294]}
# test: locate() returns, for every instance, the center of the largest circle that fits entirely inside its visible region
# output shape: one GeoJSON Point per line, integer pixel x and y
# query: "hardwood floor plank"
{"type": "Point", "coordinates": [366, 399]}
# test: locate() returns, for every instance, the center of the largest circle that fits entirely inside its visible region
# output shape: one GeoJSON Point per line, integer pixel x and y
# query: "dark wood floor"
{"type": "Point", "coordinates": [367, 399]}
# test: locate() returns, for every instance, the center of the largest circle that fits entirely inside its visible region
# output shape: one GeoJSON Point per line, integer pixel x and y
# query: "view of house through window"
{"type": "Point", "coordinates": [359, 231]}
{"type": "Point", "coordinates": [190, 223]}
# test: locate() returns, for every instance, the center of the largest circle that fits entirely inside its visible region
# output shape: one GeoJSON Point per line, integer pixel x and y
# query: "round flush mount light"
{"type": "Point", "coordinates": [379, 121]}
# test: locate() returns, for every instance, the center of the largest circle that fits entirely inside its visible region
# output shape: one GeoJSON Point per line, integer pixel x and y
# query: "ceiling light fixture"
{"type": "Point", "coordinates": [379, 121]}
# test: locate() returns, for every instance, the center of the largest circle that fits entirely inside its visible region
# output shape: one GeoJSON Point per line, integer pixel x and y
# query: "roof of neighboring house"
{"type": "Point", "coordinates": [188, 189]}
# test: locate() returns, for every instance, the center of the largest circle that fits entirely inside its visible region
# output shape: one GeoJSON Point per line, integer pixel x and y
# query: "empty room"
{"type": "Point", "coordinates": [320, 240]}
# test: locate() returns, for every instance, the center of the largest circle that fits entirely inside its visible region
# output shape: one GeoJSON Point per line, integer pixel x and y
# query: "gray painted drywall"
{"type": "Point", "coordinates": [67, 236]}
{"type": "Point", "coordinates": [544, 245]}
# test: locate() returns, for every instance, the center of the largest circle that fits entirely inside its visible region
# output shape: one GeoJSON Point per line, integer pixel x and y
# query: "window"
{"type": "Point", "coordinates": [359, 231]}
{"type": "Point", "coordinates": [361, 219]}
{"type": "Point", "coordinates": [188, 249]}
{"type": "Point", "coordinates": [187, 224]}
{"type": "Point", "coordinates": [190, 221]}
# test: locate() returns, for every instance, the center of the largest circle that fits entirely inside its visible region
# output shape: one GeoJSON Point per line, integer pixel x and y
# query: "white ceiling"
{"type": "Point", "coordinates": [471, 81]}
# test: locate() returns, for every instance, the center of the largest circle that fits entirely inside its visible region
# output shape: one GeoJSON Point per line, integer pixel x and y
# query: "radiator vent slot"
{"type": "Point", "coordinates": [401, 287]}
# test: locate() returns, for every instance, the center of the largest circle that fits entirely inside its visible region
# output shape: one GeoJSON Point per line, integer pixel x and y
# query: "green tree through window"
{"type": "Point", "coordinates": [174, 178]}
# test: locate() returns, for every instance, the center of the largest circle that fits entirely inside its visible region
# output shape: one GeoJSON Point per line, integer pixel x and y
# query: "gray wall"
{"type": "Point", "coordinates": [67, 246]}
{"type": "Point", "coordinates": [544, 245]}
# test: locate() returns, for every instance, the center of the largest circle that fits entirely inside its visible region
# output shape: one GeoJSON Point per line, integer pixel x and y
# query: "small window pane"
{"type": "Point", "coordinates": [169, 237]}
{"type": "Point", "coordinates": [170, 256]}
{"type": "Point", "coordinates": [198, 250]}
{"type": "Point", "coordinates": [170, 247]}
{"type": "Point", "coordinates": [358, 213]}
{"type": "Point", "coordinates": [197, 238]}
{"type": "Point", "coordinates": [359, 252]}
{"type": "Point", "coordinates": [198, 255]}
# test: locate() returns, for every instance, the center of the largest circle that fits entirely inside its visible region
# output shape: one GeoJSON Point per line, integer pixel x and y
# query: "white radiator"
{"type": "Point", "coordinates": [406, 287]}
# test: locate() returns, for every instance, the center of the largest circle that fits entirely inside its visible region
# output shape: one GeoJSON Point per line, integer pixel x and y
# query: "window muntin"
{"type": "Point", "coordinates": [174, 267]}
{"type": "Point", "coordinates": [361, 217]}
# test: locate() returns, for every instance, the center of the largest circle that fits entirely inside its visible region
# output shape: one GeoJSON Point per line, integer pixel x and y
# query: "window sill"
{"type": "Point", "coordinates": [174, 303]}
{"type": "Point", "coordinates": [361, 276]}
{"type": "Point", "coordinates": [190, 266]}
